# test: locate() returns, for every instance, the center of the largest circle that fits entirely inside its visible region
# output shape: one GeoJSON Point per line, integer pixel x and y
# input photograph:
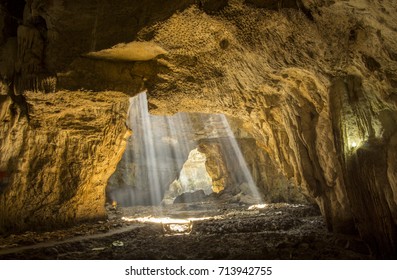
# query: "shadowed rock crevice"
{"type": "Point", "coordinates": [363, 135]}
{"type": "Point", "coordinates": [11, 15]}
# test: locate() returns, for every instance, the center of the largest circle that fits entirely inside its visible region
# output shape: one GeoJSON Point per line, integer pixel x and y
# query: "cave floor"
{"type": "Point", "coordinates": [221, 231]}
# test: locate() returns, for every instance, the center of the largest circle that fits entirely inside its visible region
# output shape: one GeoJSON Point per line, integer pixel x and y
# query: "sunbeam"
{"type": "Point", "coordinates": [163, 161]}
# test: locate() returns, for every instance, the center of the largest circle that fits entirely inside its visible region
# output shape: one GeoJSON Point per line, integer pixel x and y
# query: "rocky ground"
{"type": "Point", "coordinates": [219, 231]}
{"type": "Point", "coordinates": [314, 83]}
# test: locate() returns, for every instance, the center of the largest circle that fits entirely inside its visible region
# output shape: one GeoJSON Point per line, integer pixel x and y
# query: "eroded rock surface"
{"type": "Point", "coordinates": [307, 88]}
{"type": "Point", "coordinates": [313, 81]}
{"type": "Point", "coordinates": [59, 158]}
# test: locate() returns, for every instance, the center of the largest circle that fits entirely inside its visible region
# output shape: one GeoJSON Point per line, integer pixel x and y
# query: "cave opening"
{"type": "Point", "coordinates": [169, 156]}
{"type": "Point", "coordinates": [189, 166]}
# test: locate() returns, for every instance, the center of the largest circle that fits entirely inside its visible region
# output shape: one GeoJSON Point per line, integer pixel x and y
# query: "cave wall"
{"type": "Point", "coordinates": [58, 161]}
{"type": "Point", "coordinates": [304, 85]}
{"type": "Point", "coordinates": [368, 129]}
{"type": "Point", "coordinates": [228, 179]}
{"type": "Point", "coordinates": [305, 78]}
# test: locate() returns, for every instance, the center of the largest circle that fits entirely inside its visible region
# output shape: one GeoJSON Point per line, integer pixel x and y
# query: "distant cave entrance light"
{"type": "Point", "coordinates": [193, 178]}
{"type": "Point", "coordinates": [163, 159]}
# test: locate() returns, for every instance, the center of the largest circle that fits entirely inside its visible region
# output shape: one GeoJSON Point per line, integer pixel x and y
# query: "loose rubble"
{"type": "Point", "coordinates": [219, 231]}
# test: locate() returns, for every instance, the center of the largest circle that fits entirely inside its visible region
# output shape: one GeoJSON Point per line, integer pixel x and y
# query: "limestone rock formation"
{"type": "Point", "coordinates": [227, 178]}
{"type": "Point", "coordinates": [313, 81]}
{"type": "Point", "coordinates": [317, 92]}
{"type": "Point", "coordinates": [58, 158]}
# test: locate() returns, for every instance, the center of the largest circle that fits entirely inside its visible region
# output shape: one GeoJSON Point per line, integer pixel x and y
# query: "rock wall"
{"type": "Point", "coordinates": [58, 159]}
{"type": "Point", "coordinates": [307, 87]}
{"type": "Point", "coordinates": [227, 177]}
{"type": "Point", "coordinates": [364, 130]}
{"type": "Point", "coordinates": [313, 81]}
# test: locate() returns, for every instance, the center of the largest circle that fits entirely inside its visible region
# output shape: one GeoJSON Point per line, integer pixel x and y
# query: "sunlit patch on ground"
{"type": "Point", "coordinates": [170, 225]}
{"type": "Point", "coordinates": [257, 206]}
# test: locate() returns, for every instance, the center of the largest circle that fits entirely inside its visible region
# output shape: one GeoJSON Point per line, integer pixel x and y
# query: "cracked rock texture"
{"type": "Point", "coordinates": [58, 160]}
{"type": "Point", "coordinates": [317, 91]}
{"type": "Point", "coordinates": [314, 82]}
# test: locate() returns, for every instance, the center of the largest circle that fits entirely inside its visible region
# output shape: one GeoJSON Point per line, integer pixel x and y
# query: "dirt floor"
{"type": "Point", "coordinates": [217, 231]}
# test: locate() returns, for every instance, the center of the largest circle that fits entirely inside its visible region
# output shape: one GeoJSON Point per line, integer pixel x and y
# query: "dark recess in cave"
{"type": "Point", "coordinates": [14, 11]}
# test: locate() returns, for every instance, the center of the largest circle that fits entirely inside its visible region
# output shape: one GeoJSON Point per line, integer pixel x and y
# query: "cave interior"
{"type": "Point", "coordinates": [268, 126]}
